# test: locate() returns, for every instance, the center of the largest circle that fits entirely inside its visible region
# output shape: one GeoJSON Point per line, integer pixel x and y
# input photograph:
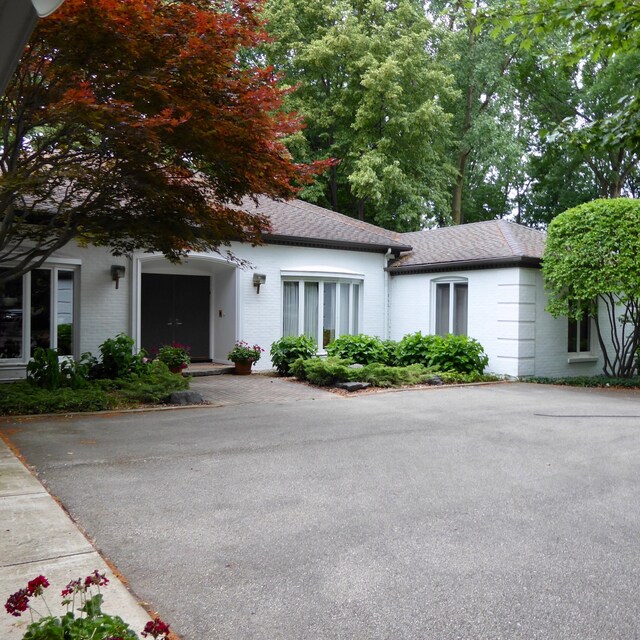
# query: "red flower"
{"type": "Point", "coordinates": [96, 578]}
{"type": "Point", "coordinates": [156, 628]}
{"type": "Point", "coordinates": [17, 603]}
{"type": "Point", "coordinates": [73, 587]}
{"type": "Point", "coordinates": [36, 586]}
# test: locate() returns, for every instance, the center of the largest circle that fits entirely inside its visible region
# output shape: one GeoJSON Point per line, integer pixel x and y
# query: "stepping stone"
{"type": "Point", "coordinates": [353, 386]}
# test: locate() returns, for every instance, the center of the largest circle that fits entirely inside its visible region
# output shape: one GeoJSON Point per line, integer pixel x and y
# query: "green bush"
{"type": "Point", "coordinates": [21, 398]}
{"type": "Point", "coordinates": [118, 359]}
{"type": "Point", "coordinates": [287, 350]}
{"type": "Point", "coordinates": [323, 371]}
{"type": "Point", "coordinates": [155, 385]}
{"type": "Point", "coordinates": [380, 375]}
{"type": "Point", "coordinates": [458, 353]}
{"type": "Point", "coordinates": [363, 349]}
{"type": "Point", "coordinates": [415, 348]}
{"type": "Point", "coordinates": [45, 370]}
{"type": "Point", "coordinates": [451, 353]}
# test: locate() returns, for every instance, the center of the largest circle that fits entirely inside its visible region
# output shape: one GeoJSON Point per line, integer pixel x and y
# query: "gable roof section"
{"type": "Point", "coordinates": [299, 223]}
{"type": "Point", "coordinates": [479, 245]}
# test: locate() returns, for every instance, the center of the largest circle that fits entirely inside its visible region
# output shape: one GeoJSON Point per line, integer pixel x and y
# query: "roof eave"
{"type": "Point", "coordinates": [457, 265]}
{"type": "Point", "coordinates": [324, 243]}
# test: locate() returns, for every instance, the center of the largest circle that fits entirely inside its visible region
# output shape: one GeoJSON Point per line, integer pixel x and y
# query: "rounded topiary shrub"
{"type": "Point", "coordinates": [287, 350]}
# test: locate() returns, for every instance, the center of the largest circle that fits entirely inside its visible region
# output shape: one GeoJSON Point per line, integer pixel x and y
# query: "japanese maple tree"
{"type": "Point", "coordinates": [141, 125]}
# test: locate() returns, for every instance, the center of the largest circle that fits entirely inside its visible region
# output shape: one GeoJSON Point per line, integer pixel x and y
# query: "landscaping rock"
{"type": "Point", "coordinates": [356, 366]}
{"type": "Point", "coordinates": [353, 386]}
{"type": "Point", "coordinates": [186, 397]}
{"type": "Point", "coordinates": [436, 380]}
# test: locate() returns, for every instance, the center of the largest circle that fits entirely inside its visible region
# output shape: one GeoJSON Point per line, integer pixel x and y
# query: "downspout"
{"type": "Point", "coordinates": [387, 297]}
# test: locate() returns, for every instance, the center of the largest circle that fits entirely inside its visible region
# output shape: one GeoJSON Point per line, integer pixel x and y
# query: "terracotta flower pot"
{"type": "Point", "coordinates": [243, 368]}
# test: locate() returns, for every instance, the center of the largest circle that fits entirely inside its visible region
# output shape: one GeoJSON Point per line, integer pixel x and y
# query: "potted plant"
{"type": "Point", "coordinates": [244, 356]}
{"type": "Point", "coordinates": [175, 356]}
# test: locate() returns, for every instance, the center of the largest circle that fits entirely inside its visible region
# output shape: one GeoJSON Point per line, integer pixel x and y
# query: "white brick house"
{"type": "Point", "coordinates": [319, 273]}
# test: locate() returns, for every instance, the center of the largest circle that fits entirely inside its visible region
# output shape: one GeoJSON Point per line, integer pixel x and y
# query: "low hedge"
{"type": "Point", "coordinates": [590, 381]}
{"type": "Point", "coordinates": [330, 371]}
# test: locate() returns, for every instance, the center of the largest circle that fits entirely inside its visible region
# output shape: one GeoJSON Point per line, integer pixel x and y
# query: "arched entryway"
{"type": "Point", "coordinates": [193, 303]}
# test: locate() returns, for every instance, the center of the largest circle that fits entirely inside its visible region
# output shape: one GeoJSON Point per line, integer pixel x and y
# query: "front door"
{"type": "Point", "coordinates": [176, 309]}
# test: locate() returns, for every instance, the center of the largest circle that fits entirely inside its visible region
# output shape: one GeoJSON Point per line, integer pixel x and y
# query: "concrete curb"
{"type": "Point", "coordinates": [39, 538]}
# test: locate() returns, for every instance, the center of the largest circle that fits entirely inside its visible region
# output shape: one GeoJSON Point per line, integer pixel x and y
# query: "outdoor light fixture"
{"type": "Point", "coordinates": [258, 279]}
{"type": "Point", "coordinates": [117, 272]}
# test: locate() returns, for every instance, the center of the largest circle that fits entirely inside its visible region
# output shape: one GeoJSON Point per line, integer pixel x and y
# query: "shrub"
{"type": "Point", "coordinates": [415, 348]}
{"type": "Point", "coordinates": [323, 371]}
{"type": "Point", "coordinates": [287, 350]}
{"type": "Point", "coordinates": [362, 349]}
{"type": "Point", "coordinates": [21, 398]}
{"type": "Point", "coordinates": [155, 385]}
{"type": "Point", "coordinates": [118, 359]}
{"type": "Point", "coordinates": [46, 370]}
{"type": "Point", "coordinates": [458, 353]}
{"type": "Point", "coordinates": [380, 375]}
{"type": "Point", "coordinates": [174, 355]}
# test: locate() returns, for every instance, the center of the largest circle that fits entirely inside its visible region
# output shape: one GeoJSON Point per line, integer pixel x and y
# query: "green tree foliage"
{"type": "Point", "coordinates": [591, 260]}
{"type": "Point", "coordinates": [370, 86]}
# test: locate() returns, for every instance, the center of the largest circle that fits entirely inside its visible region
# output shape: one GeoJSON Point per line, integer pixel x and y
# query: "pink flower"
{"type": "Point", "coordinates": [17, 603]}
{"type": "Point", "coordinates": [156, 628]}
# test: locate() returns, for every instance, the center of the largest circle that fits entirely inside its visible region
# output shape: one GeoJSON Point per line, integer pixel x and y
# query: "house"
{"type": "Point", "coordinates": [319, 273]}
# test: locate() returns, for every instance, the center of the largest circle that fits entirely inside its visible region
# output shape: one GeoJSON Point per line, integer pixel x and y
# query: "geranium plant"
{"type": "Point", "coordinates": [175, 355]}
{"type": "Point", "coordinates": [243, 352]}
{"type": "Point", "coordinates": [90, 623]}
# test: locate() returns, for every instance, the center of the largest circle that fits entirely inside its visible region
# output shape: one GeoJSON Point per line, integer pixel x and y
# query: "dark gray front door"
{"type": "Point", "coordinates": [176, 309]}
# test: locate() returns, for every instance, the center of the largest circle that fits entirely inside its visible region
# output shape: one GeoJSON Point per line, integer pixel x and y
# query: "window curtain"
{"type": "Point", "coordinates": [344, 309]}
{"type": "Point", "coordinates": [461, 292]}
{"type": "Point", "coordinates": [329, 313]}
{"type": "Point", "coordinates": [290, 307]}
{"type": "Point", "coordinates": [311, 309]}
{"type": "Point", "coordinates": [355, 316]}
{"type": "Point", "coordinates": [442, 309]}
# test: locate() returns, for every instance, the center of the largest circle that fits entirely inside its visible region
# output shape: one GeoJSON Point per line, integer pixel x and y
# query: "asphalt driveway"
{"type": "Point", "coordinates": [503, 511]}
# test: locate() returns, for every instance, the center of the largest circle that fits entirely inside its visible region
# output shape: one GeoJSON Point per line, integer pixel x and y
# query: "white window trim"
{"type": "Point", "coordinates": [322, 276]}
{"type": "Point", "coordinates": [60, 264]}
{"type": "Point", "coordinates": [451, 280]}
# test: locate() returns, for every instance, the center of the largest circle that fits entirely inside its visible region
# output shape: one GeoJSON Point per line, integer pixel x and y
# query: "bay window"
{"type": "Point", "coordinates": [321, 308]}
{"type": "Point", "coordinates": [37, 310]}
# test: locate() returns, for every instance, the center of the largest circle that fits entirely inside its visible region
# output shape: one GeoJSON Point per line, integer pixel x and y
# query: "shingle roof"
{"type": "Point", "coordinates": [298, 222]}
{"type": "Point", "coordinates": [475, 244]}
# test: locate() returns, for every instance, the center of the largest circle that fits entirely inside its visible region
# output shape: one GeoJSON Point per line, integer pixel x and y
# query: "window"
{"type": "Point", "coordinates": [451, 301]}
{"type": "Point", "coordinates": [579, 334]}
{"type": "Point", "coordinates": [322, 309]}
{"type": "Point", "coordinates": [37, 310]}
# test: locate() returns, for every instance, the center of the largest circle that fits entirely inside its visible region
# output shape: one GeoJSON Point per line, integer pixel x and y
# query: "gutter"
{"type": "Point", "coordinates": [322, 243]}
{"type": "Point", "coordinates": [458, 265]}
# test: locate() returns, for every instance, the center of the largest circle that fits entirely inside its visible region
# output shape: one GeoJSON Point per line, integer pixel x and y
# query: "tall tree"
{"type": "Point", "coordinates": [134, 126]}
{"type": "Point", "coordinates": [370, 86]}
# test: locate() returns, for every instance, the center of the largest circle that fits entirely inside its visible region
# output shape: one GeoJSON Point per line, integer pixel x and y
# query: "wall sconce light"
{"type": "Point", "coordinates": [117, 272]}
{"type": "Point", "coordinates": [258, 279]}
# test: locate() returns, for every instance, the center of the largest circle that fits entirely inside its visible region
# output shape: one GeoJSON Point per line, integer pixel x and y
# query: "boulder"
{"type": "Point", "coordinates": [353, 386]}
{"type": "Point", "coordinates": [185, 397]}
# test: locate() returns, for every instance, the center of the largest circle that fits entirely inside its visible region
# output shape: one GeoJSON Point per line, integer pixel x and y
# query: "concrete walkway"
{"type": "Point", "coordinates": [38, 538]}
